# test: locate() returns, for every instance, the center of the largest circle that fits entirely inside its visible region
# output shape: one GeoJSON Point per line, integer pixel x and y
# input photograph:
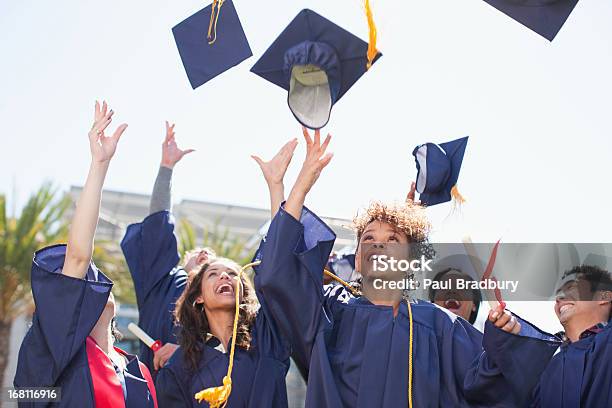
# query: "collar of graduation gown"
{"type": "Point", "coordinates": [215, 343]}
{"type": "Point", "coordinates": [363, 301]}
{"type": "Point", "coordinates": [590, 332]}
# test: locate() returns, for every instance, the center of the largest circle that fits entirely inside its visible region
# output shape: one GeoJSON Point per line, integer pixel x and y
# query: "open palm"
{"type": "Point", "coordinates": [103, 147]}
{"type": "Point", "coordinates": [274, 170]}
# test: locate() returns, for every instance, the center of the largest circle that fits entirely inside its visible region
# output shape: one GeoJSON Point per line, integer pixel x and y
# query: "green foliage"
{"type": "Point", "coordinates": [39, 224]}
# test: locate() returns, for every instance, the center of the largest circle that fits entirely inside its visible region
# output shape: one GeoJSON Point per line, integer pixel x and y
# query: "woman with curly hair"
{"type": "Point", "coordinates": [205, 314]}
{"type": "Point", "coordinates": [381, 349]}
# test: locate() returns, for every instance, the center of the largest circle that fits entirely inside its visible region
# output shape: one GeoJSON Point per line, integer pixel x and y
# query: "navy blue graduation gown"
{"type": "Point", "coordinates": [579, 375]}
{"type": "Point", "coordinates": [258, 376]}
{"type": "Point", "coordinates": [150, 249]}
{"type": "Point", "coordinates": [357, 352]}
{"type": "Point", "coordinates": [53, 352]}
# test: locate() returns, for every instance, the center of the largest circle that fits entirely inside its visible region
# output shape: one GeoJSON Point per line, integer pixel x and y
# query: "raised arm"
{"type": "Point", "coordinates": [83, 226]}
{"type": "Point", "coordinates": [316, 160]}
{"type": "Point", "coordinates": [296, 249]}
{"type": "Point", "coordinates": [274, 173]}
{"type": "Point", "coordinates": [161, 199]}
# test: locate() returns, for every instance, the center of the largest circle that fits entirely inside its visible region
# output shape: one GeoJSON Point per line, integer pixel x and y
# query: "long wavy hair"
{"type": "Point", "coordinates": [193, 323]}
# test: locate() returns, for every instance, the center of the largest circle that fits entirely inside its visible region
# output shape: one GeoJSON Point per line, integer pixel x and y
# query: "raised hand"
{"type": "Point", "coordinates": [412, 193]}
{"type": "Point", "coordinates": [503, 319]}
{"type": "Point", "coordinates": [316, 160]}
{"type": "Point", "coordinates": [274, 170]}
{"type": "Point", "coordinates": [103, 147]}
{"type": "Point", "coordinates": [171, 154]}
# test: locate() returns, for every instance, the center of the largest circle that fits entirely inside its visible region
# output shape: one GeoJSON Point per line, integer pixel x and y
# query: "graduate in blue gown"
{"type": "Point", "coordinates": [581, 373]}
{"type": "Point", "coordinates": [70, 342]}
{"type": "Point", "coordinates": [205, 312]}
{"type": "Point", "coordinates": [359, 349]}
{"type": "Point", "coordinates": [151, 251]}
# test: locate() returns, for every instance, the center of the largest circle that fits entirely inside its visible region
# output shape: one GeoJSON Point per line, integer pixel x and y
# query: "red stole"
{"type": "Point", "coordinates": [108, 392]}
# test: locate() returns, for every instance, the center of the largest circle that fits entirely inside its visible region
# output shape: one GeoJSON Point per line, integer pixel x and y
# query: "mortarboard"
{"type": "Point", "coordinates": [317, 62]}
{"type": "Point", "coordinates": [438, 169]}
{"type": "Point", "coordinates": [545, 17]}
{"type": "Point", "coordinates": [211, 41]}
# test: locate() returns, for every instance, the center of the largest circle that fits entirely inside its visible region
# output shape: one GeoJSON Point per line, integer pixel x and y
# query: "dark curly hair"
{"type": "Point", "coordinates": [192, 320]}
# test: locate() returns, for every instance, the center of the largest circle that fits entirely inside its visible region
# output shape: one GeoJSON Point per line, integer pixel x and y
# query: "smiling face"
{"type": "Point", "coordinates": [219, 285]}
{"type": "Point", "coordinates": [459, 302]}
{"type": "Point", "coordinates": [575, 300]}
{"type": "Point", "coordinates": [379, 238]}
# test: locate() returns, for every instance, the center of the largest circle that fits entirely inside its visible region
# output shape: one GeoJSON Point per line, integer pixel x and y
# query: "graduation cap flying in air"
{"type": "Point", "coordinates": [545, 17]}
{"type": "Point", "coordinates": [211, 41]}
{"type": "Point", "coordinates": [317, 62]}
{"type": "Point", "coordinates": [438, 169]}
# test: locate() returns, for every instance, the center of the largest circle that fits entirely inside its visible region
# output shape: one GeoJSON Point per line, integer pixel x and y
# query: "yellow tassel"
{"type": "Point", "coordinates": [372, 51]}
{"type": "Point", "coordinates": [456, 195]}
{"type": "Point", "coordinates": [332, 275]}
{"type": "Point", "coordinates": [214, 18]}
{"type": "Point", "coordinates": [410, 356]}
{"type": "Point", "coordinates": [217, 396]}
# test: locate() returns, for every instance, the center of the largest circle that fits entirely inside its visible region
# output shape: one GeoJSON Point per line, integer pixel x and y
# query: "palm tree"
{"type": "Point", "coordinates": [40, 223]}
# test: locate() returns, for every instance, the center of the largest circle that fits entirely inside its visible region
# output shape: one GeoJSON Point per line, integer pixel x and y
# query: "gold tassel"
{"type": "Point", "coordinates": [456, 195]}
{"type": "Point", "coordinates": [214, 18]}
{"type": "Point", "coordinates": [372, 51]}
{"type": "Point", "coordinates": [341, 281]}
{"type": "Point", "coordinates": [217, 396]}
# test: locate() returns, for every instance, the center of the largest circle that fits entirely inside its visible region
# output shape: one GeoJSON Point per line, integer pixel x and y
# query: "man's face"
{"type": "Point", "coordinates": [576, 300]}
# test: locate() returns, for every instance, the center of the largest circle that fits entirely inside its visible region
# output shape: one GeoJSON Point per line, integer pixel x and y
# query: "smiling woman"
{"type": "Point", "coordinates": [205, 314]}
{"type": "Point", "coordinates": [205, 311]}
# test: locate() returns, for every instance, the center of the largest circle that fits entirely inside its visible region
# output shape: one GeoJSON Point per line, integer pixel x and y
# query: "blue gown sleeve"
{"type": "Point", "coordinates": [150, 249]}
{"type": "Point", "coordinates": [170, 394]}
{"type": "Point", "coordinates": [67, 309]}
{"type": "Point", "coordinates": [289, 280]}
{"type": "Point", "coordinates": [512, 364]}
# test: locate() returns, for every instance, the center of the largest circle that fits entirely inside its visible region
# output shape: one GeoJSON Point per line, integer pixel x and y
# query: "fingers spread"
{"type": "Point", "coordinates": [325, 160]}
{"type": "Point", "coordinates": [307, 137]}
{"type": "Point", "coordinates": [258, 160]}
{"type": "Point", "coordinates": [325, 143]}
{"type": "Point", "coordinates": [119, 131]}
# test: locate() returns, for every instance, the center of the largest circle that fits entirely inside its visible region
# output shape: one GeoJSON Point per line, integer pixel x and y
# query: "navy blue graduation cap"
{"type": "Point", "coordinates": [438, 169]}
{"type": "Point", "coordinates": [545, 17]}
{"type": "Point", "coordinates": [211, 41]}
{"type": "Point", "coordinates": [316, 61]}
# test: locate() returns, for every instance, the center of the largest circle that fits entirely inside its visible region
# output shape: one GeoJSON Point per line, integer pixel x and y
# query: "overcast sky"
{"type": "Point", "coordinates": [538, 114]}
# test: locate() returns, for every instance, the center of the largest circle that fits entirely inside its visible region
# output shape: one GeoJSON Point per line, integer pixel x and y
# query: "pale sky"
{"type": "Point", "coordinates": [538, 113]}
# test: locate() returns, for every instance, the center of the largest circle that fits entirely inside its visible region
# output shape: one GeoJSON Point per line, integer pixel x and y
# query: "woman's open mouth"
{"type": "Point", "coordinates": [225, 289]}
